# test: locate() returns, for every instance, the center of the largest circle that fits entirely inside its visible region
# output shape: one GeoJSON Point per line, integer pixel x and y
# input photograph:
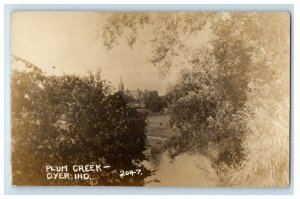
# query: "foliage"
{"type": "Point", "coordinates": [233, 93]}
{"type": "Point", "coordinates": [168, 33]}
{"type": "Point", "coordinates": [203, 104]}
{"type": "Point", "coordinates": [71, 120]}
{"type": "Point", "coordinates": [266, 112]}
{"type": "Point", "coordinates": [25, 121]}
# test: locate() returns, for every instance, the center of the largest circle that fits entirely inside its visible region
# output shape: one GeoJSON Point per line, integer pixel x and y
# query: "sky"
{"type": "Point", "coordinates": [70, 43]}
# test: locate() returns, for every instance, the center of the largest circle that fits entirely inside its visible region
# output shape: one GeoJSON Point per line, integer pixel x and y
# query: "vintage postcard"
{"type": "Point", "coordinates": [150, 98]}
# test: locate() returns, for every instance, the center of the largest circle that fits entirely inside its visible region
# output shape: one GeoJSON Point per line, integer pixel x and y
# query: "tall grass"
{"type": "Point", "coordinates": [266, 143]}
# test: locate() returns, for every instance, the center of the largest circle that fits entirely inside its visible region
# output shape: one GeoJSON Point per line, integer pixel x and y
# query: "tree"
{"type": "Point", "coordinates": [71, 120]}
{"type": "Point", "coordinates": [168, 34]}
{"type": "Point", "coordinates": [207, 92]}
{"type": "Point", "coordinates": [266, 113]}
{"type": "Point", "coordinates": [230, 88]}
{"type": "Point", "coordinates": [26, 123]}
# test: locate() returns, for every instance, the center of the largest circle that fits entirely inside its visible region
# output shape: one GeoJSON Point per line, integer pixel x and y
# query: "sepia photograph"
{"type": "Point", "coordinates": [167, 99]}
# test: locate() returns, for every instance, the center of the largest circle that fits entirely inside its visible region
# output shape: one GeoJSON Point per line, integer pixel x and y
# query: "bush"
{"type": "Point", "coordinates": [73, 120]}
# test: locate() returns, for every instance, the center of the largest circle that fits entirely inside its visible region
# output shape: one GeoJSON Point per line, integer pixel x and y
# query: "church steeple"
{"type": "Point", "coordinates": [121, 85]}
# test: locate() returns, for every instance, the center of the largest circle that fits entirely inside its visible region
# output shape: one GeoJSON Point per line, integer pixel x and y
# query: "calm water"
{"type": "Point", "coordinates": [186, 170]}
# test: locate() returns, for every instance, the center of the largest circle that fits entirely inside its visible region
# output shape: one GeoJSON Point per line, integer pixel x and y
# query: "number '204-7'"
{"type": "Point", "coordinates": [130, 172]}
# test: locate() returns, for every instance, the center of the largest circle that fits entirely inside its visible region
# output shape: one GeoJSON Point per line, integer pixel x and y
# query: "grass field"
{"type": "Point", "coordinates": [158, 134]}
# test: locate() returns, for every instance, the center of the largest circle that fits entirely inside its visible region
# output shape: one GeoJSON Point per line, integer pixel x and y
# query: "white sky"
{"type": "Point", "coordinates": [69, 42]}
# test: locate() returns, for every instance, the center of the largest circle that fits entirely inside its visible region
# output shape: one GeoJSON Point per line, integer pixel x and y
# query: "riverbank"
{"type": "Point", "coordinates": [188, 169]}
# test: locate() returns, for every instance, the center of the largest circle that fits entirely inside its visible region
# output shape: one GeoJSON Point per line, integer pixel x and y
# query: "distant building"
{"type": "Point", "coordinates": [136, 94]}
{"type": "Point", "coordinates": [121, 85]}
{"type": "Point", "coordinates": [139, 99]}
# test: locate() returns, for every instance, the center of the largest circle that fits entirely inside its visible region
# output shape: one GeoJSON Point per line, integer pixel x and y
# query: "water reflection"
{"type": "Point", "coordinates": [186, 170]}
